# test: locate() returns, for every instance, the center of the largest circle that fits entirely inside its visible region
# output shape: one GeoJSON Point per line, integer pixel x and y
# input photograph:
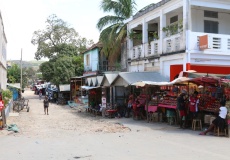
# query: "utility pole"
{"type": "Point", "coordinates": [21, 74]}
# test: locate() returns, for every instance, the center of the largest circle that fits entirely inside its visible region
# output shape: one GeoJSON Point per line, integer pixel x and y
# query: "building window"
{"type": "Point", "coordinates": [173, 19]}
{"type": "Point", "coordinates": [87, 60]}
{"type": "Point", "coordinates": [210, 26]}
{"type": "Point", "coordinates": [210, 14]}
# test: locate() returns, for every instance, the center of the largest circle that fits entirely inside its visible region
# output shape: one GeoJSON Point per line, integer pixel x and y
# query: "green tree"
{"type": "Point", "coordinates": [47, 69]}
{"type": "Point", "coordinates": [61, 45]}
{"type": "Point", "coordinates": [30, 74]}
{"type": "Point", "coordinates": [56, 34]}
{"type": "Point", "coordinates": [64, 69]}
{"type": "Point", "coordinates": [14, 74]}
{"type": "Point", "coordinates": [112, 27]}
{"type": "Point", "coordinates": [79, 65]}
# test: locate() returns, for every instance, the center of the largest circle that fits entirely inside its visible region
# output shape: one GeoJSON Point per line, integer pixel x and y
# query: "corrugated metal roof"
{"type": "Point", "coordinates": [132, 77]}
{"type": "Point", "coordinates": [149, 8]}
{"type": "Point", "coordinates": [97, 45]}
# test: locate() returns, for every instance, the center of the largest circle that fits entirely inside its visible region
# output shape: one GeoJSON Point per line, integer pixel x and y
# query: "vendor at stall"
{"type": "Point", "coordinates": [182, 108]}
{"type": "Point", "coordinates": [220, 120]}
{"type": "Point", "coordinates": [193, 102]}
{"type": "Point", "coordinates": [129, 106]}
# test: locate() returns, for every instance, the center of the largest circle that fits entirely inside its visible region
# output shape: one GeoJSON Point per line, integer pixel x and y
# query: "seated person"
{"type": "Point", "coordinates": [220, 120]}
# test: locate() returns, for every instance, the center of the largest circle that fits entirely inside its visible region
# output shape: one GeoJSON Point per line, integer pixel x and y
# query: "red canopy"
{"type": "Point", "coordinates": [205, 80]}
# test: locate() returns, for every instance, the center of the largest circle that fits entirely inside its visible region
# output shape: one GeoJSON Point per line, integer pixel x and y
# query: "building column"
{"type": "Point", "coordinates": [161, 40]}
{"type": "Point", "coordinates": [129, 41]}
{"type": "Point", "coordinates": [111, 96]}
{"type": "Point", "coordinates": [144, 37]}
{"type": "Point", "coordinates": [162, 34]}
{"type": "Point", "coordinates": [129, 47]}
{"type": "Point", "coordinates": [186, 31]}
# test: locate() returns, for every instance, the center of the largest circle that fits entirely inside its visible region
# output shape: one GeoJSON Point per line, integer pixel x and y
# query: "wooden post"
{"type": "Point", "coordinates": [146, 102]}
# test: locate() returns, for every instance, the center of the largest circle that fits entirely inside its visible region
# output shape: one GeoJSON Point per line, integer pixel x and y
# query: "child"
{"type": "Point", "coordinates": [46, 105]}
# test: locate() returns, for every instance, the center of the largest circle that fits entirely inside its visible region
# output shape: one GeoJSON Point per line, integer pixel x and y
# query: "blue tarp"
{"type": "Point", "coordinates": [15, 93]}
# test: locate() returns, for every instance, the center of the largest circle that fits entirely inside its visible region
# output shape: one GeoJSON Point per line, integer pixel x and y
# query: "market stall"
{"type": "Point", "coordinates": [163, 101]}
{"type": "Point", "coordinates": [211, 91]}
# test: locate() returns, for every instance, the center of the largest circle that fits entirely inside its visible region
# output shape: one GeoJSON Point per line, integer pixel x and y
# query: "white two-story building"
{"type": "Point", "coordinates": [179, 35]}
{"type": "Point", "coordinates": [3, 45]}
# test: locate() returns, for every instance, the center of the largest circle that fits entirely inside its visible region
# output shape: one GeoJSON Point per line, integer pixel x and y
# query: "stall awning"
{"type": "Point", "coordinates": [14, 85]}
{"type": "Point", "coordinates": [94, 80]}
{"type": "Point", "coordinates": [132, 77]}
{"type": "Point", "coordinates": [109, 78]}
{"type": "Point", "coordinates": [197, 75]}
{"type": "Point", "coordinates": [88, 87]}
{"type": "Point", "coordinates": [179, 80]}
{"type": "Point", "coordinates": [89, 81]}
{"type": "Point", "coordinates": [99, 80]}
{"type": "Point", "coordinates": [64, 87]}
{"type": "Point", "coordinates": [205, 80]}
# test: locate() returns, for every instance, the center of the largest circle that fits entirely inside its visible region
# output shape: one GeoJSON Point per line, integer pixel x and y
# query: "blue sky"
{"type": "Point", "coordinates": [22, 17]}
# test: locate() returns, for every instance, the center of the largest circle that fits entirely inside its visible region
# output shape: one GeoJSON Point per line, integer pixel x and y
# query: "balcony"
{"type": "Point", "coordinates": [152, 48]}
{"type": "Point", "coordinates": [87, 68]}
{"type": "Point", "coordinates": [137, 52]}
{"type": "Point", "coordinates": [173, 43]}
{"type": "Point", "coordinates": [217, 43]}
{"type": "Point", "coordinates": [105, 68]}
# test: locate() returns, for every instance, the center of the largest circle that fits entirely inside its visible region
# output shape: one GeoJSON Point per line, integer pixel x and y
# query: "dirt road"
{"type": "Point", "coordinates": [66, 134]}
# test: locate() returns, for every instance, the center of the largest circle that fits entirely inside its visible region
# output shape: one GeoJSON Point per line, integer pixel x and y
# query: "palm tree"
{"type": "Point", "coordinates": [112, 27]}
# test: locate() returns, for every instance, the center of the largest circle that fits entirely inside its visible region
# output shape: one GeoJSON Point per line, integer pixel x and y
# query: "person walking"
{"type": "Point", "coordinates": [2, 112]}
{"type": "Point", "coordinates": [46, 105]}
{"type": "Point", "coordinates": [40, 94]}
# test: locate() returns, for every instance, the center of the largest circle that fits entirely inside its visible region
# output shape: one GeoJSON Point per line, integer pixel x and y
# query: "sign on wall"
{"type": "Point", "coordinates": [204, 42]}
{"type": "Point", "coordinates": [103, 101]}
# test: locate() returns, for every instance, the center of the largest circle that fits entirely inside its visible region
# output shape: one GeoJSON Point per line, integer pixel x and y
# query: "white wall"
{"type": "Point", "coordinates": [3, 52]}
{"type": "Point", "coordinates": [166, 61]}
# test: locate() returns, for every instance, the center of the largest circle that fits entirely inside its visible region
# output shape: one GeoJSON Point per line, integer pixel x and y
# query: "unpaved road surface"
{"type": "Point", "coordinates": [67, 134]}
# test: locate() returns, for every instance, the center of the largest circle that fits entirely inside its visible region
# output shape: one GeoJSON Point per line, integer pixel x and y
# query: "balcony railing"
{"type": "Point", "coordinates": [104, 68]}
{"type": "Point", "coordinates": [173, 43]}
{"type": "Point", "coordinates": [137, 52]}
{"type": "Point", "coordinates": [152, 48]}
{"type": "Point", "coordinates": [216, 42]}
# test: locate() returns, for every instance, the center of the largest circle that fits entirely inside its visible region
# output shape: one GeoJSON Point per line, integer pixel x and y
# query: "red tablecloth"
{"type": "Point", "coordinates": [151, 108]}
{"type": "Point", "coordinates": [111, 110]}
{"type": "Point", "coordinates": [166, 106]}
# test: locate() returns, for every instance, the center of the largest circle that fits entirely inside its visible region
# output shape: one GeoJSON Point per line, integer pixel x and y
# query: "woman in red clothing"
{"type": "Point", "coordinates": [193, 102]}
{"type": "Point", "coordinates": [129, 106]}
{"type": "Point", "coordinates": [2, 110]}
